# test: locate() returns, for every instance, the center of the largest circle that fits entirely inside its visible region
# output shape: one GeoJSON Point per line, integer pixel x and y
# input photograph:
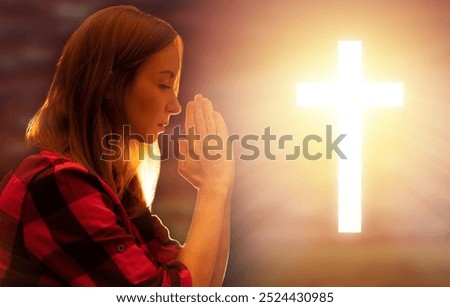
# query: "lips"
{"type": "Point", "coordinates": [163, 124]}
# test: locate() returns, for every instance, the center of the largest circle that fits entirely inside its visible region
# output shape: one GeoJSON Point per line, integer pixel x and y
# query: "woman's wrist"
{"type": "Point", "coordinates": [215, 187]}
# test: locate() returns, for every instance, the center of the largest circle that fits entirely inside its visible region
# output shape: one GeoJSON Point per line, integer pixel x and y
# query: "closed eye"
{"type": "Point", "coordinates": [165, 86]}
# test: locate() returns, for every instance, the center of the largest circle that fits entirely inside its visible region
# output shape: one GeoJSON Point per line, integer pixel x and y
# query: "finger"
{"type": "Point", "coordinates": [222, 132]}
{"type": "Point", "coordinates": [221, 127]}
{"type": "Point", "coordinates": [189, 145]}
{"type": "Point", "coordinates": [183, 147]}
{"type": "Point", "coordinates": [208, 112]}
{"type": "Point", "coordinates": [182, 155]}
{"type": "Point", "coordinates": [200, 125]}
{"type": "Point", "coordinates": [180, 166]}
{"type": "Point", "coordinates": [190, 117]}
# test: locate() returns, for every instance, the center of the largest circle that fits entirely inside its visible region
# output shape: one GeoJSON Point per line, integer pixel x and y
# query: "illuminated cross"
{"type": "Point", "coordinates": [349, 95]}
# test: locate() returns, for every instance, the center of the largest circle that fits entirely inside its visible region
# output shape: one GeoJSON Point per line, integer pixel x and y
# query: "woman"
{"type": "Point", "coordinates": [74, 214]}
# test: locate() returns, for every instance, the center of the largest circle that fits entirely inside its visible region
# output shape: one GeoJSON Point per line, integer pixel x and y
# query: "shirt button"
{"type": "Point", "coordinates": [120, 247]}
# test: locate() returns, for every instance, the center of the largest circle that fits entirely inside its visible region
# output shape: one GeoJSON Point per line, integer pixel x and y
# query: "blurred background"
{"type": "Point", "coordinates": [247, 57]}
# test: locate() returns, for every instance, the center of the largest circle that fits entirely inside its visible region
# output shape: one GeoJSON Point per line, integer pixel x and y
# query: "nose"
{"type": "Point", "coordinates": [174, 107]}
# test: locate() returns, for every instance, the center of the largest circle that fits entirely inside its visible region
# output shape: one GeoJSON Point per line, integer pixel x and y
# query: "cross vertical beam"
{"type": "Point", "coordinates": [349, 95]}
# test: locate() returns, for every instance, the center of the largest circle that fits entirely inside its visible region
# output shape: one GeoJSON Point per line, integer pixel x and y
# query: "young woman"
{"type": "Point", "coordinates": [75, 213]}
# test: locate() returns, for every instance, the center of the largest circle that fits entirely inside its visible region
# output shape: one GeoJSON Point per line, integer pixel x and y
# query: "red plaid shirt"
{"type": "Point", "coordinates": [60, 225]}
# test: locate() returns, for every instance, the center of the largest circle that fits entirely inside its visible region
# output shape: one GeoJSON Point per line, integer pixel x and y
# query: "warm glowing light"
{"type": "Point", "coordinates": [148, 170]}
{"type": "Point", "coordinates": [349, 95]}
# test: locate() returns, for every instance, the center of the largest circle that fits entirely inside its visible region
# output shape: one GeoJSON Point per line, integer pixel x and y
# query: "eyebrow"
{"type": "Point", "coordinates": [169, 72]}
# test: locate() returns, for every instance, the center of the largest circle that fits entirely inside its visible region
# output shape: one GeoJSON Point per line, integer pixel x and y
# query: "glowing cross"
{"type": "Point", "coordinates": [350, 95]}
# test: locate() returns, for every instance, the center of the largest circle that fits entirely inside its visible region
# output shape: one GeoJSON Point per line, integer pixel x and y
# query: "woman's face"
{"type": "Point", "coordinates": [151, 98]}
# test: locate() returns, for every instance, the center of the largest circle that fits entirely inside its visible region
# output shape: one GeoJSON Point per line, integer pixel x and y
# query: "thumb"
{"type": "Point", "coordinates": [182, 155]}
{"type": "Point", "coordinates": [183, 149]}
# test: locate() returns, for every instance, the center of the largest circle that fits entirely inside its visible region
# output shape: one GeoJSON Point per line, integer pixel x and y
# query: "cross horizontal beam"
{"type": "Point", "coordinates": [349, 95]}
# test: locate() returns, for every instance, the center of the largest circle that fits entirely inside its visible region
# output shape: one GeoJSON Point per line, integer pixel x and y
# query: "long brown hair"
{"type": "Point", "coordinates": [85, 100]}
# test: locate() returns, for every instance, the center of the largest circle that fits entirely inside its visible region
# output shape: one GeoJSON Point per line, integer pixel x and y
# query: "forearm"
{"type": "Point", "coordinates": [203, 242]}
{"type": "Point", "coordinates": [224, 248]}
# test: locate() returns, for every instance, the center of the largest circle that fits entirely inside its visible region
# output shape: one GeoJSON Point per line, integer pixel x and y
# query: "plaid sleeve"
{"type": "Point", "coordinates": [84, 237]}
{"type": "Point", "coordinates": [156, 237]}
